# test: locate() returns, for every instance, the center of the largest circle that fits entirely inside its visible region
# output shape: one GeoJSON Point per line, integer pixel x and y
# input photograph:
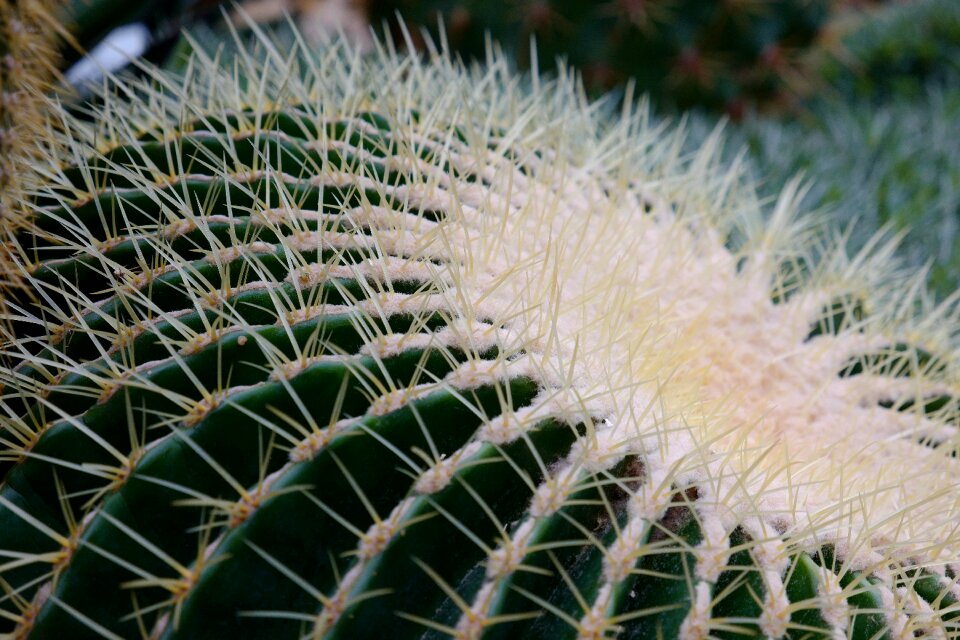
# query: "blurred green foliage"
{"type": "Point", "coordinates": [897, 52]}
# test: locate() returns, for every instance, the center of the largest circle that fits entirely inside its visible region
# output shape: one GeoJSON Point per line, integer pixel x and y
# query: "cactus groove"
{"type": "Point", "coordinates": [318, 345]}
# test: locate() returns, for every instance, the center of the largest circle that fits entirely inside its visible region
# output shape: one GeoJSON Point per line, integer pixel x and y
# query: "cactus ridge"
{"type": "Point", "coordinates": [336, 347]}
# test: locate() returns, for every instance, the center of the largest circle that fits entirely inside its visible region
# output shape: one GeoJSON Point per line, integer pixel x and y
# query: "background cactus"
{"type": "Point", "coordinates": [718, 54]}
{"type": "Point", "coordinates": [345, 347]}
{"type": "Point", "coordinates": [872, 166]}
{"type": "Point", "coordinates": [877, 145]}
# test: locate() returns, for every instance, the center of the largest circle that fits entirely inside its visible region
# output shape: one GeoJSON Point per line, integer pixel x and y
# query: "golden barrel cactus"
{"type": "Point", "coordinates": [342, 346]}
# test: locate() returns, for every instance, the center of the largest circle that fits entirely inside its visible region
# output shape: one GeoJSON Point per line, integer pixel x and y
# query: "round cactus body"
{"type": "Point", "coordinates": [346, 347]}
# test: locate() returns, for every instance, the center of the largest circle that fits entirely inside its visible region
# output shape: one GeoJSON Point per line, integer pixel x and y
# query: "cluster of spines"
{"type": "Point", "coordinates": [185, 315]}
{"type": "Point", "coordinates": [29, 38]}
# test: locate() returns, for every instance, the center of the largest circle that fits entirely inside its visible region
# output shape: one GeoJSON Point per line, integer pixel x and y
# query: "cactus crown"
{"type": "Point", "coordinates": [327, 344]}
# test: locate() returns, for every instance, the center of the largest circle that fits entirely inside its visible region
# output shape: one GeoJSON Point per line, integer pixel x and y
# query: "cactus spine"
{"type": "Point", "coordinates": [351, 347]}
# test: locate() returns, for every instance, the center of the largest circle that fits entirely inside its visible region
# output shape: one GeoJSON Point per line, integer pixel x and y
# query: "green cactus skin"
{"type": "Point", "coordinates": [280, 367]}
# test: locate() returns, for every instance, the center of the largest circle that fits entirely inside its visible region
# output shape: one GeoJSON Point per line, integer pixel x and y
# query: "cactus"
{"type": "Point", "coordinates": [729, 55]}
{"type": "Point", "coordinates": [344, 347]}
{"type": "Point", "coordinates": [891, 164]}
{"type": "Point", "coordinates": [28, 32]}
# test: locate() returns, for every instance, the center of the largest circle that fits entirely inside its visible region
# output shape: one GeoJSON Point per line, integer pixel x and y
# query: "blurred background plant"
{"type": "Point", "coordinates": [880, 140]}
{"type": "Point", "coordinates": [727, 54]}
{"type": "Point", "coordinates": [862, 98]}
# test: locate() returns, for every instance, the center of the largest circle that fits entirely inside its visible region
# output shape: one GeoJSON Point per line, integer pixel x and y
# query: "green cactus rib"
{"type": "Point", "coordinates": [662, 581]}
{"type": "Point", "coordinates": [105, 215]}
{"type": "Point", "coordinates": [572, 538]}
{"type": "Point", "coordinates": [171, 291]}
{"type": "Point", "coordinates": [251, 307]}
{"type": "Point", "coordinates": [261, 381]}
{"type": "Point", "coordinates": [63, 444]}
{"type": "Point", "coordinates": [136, 503]}
{"type": "Point", "coordinates": [200, 150]}
{"type": "Point", "coordinates": [446, 551]}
